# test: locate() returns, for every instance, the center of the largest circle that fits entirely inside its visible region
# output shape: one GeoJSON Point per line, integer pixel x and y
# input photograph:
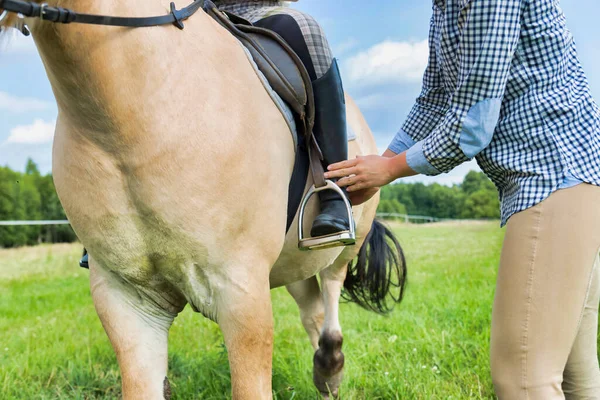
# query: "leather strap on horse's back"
{"type": "Point", "coordinates": [67, 16]}
{"type": "Point", "coordinates": [316, 167]}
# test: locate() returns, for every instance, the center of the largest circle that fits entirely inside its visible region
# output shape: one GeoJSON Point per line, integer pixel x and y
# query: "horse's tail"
{"type": "Point", "coordinates": [376, 280]}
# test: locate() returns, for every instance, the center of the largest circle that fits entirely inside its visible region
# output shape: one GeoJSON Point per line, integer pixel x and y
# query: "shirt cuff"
{"type": "Point", "coordinates": [401, 142]}
{"type": "Point", "coordinates": [415, 158]}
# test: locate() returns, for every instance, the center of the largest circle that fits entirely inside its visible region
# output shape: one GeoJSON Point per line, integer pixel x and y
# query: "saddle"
{"type": "Point", "coordinates": [289, 78]}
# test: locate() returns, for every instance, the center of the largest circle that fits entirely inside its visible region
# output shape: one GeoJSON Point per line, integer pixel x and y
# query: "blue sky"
{"type": "Point", "coordinates": [382, 51]}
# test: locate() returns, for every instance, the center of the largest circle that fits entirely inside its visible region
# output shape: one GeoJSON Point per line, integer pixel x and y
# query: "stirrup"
{"type": "Point", "coordinates": [343, 238]}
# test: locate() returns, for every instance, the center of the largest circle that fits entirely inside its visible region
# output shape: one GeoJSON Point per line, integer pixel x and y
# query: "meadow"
{"type": "Point", "coordinates": [433, 346]}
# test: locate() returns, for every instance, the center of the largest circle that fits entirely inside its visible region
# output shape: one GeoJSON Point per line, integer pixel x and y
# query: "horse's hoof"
{"type": "Point", "coordinates": [328, 385]}
{"type": "Point", "coordinates": [328, 365]}
{"type": "Point", "coordinates": [329, 396]}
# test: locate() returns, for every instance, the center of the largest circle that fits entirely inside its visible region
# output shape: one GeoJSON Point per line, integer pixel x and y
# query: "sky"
{"type": "Point", "coordinates": [381, 46]}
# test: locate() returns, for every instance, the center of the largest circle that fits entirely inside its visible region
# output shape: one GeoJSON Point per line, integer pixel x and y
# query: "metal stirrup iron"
{"type": "Point", "coordinates": [343, 238]}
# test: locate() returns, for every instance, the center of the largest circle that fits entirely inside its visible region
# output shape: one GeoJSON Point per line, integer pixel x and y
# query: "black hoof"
{"type": "Point", "coordinates": [328, 365]}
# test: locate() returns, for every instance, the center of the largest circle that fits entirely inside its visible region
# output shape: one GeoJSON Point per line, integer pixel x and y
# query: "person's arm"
{"type": "Point", "coordinates": [427, 112]}
{"type": "Point", "coordinates": [432, 103]}
{"type": "Point", "coordinates": [488, 41]}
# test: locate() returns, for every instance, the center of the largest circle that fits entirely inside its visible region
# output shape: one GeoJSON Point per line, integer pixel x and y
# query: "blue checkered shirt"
{"type": "Point", "coordinates": [504, 85]}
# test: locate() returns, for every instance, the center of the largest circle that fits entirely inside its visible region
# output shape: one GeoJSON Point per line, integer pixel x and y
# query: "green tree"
{"type": "Point", "coordinates": [392, 206]}
{"type": "Point", "coordinates": [481, 204]}
{"type": "Point", "coordinates": [475, 197]}
{"type": "Point", "coordinates": [475, 181]}
{"type": "Point", "coordinates": [31, 168]}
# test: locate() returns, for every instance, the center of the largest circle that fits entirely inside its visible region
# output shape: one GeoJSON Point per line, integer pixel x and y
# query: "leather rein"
{"type": "Point", "coordinates": [67, 16]}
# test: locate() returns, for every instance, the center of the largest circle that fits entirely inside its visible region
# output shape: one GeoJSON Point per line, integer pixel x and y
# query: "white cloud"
{"type": "Point", "coordinates": [21, 104]}
{"type": "Point", "coordinates": [37, 133]}
{"type": "Point", "coordinates": [388, 62]}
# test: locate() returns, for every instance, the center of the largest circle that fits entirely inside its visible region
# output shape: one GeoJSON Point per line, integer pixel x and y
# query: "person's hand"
{"type": "Point", "coordinates": [362, 173]}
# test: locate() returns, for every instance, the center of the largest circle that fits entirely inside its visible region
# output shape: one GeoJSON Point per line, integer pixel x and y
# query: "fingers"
{"type": "Point", "coordinates": [340, 173]}
{"type": "Point", "coordinates": [343, 164]}
{"type": "Point", "coordinates": [348, 181]}
{"type": "Point", "coordinates": [358, 186]}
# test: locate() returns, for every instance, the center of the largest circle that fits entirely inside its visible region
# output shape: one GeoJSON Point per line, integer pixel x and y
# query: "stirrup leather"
{"type": "Point", "coordinates": [343, 238]}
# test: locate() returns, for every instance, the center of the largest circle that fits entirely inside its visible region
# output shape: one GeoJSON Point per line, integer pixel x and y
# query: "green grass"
{"type": "Point", "coordinates": [433, 346]}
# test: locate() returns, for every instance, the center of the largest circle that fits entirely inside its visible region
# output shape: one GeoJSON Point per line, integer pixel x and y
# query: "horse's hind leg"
{"type": "Point", "coordinates": [328, 362]}
{"type": "Point", "coordinates": [319, 315]}
{"type": "Point", "coordinates": [307, 294]}
{"type": "Point", "coordinates": [138, 331]}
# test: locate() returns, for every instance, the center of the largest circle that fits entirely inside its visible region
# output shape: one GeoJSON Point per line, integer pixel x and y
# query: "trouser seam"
{"type": "Point", "coordinates": [525, 338]}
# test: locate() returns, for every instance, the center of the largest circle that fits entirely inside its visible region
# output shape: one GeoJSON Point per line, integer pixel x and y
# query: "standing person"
{"type": "Point", "coordinates": [307, 39]}
{"type": "Point", "coordinates": [504, 85]}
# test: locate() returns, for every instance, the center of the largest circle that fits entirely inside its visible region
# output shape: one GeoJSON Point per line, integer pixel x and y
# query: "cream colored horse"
{"type": "Point", "coordinates": [172, 163]}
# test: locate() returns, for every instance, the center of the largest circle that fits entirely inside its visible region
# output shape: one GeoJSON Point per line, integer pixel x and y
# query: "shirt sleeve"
{"type": "Point", "coordinates": [431, 105]}
{"type": "Point", "coordinates": [489, 36]}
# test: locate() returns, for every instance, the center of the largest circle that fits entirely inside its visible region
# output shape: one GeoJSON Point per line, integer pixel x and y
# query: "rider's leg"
{"type": "Point", "coordinates": [308, 40]}
{"type": "Point", "coordinates": [306, 37]}
{"type": "Point", "coordinates": [330, 132]}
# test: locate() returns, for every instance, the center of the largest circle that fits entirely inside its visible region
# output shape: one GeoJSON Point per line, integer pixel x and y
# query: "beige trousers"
{"type": "Point", "coordinates": [545, 317]}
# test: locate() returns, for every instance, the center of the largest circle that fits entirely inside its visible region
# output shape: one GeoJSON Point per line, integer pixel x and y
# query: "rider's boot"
{"type": "Point", "coordinates": [330, 133]}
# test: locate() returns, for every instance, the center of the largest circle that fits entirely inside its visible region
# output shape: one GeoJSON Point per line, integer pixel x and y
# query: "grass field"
{"type": "Point", "coordinates": [433, 346]}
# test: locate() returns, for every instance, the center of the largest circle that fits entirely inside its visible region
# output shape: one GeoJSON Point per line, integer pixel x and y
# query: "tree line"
{"type": "Point", "coordinates": [475, 198]}
{"type": "Point", "coordinates": [30, 195]}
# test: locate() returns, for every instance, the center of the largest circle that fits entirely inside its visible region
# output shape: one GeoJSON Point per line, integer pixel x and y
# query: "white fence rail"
{"type": "Point", "coordinates": [23, 223]}
{"type": "Point", "coordinates": [412, 218]}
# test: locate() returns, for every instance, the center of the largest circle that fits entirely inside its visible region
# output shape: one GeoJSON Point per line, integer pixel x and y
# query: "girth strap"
{"type": "Point", "coordinates": [66, 16]}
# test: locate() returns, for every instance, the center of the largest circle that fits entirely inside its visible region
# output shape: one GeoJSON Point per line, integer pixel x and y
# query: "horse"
{"type": "Point", "coordinates": [172, 164]}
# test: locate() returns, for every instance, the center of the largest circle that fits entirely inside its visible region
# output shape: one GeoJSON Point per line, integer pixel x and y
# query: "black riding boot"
{"type": "Point", "coordinates": [330, 132]}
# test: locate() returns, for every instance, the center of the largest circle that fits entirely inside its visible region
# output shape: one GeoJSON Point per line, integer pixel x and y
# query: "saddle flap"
{"type": "Point", "coordinates": [276, 60]}
{"type": "Point", "coordinates": [285, 76]}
